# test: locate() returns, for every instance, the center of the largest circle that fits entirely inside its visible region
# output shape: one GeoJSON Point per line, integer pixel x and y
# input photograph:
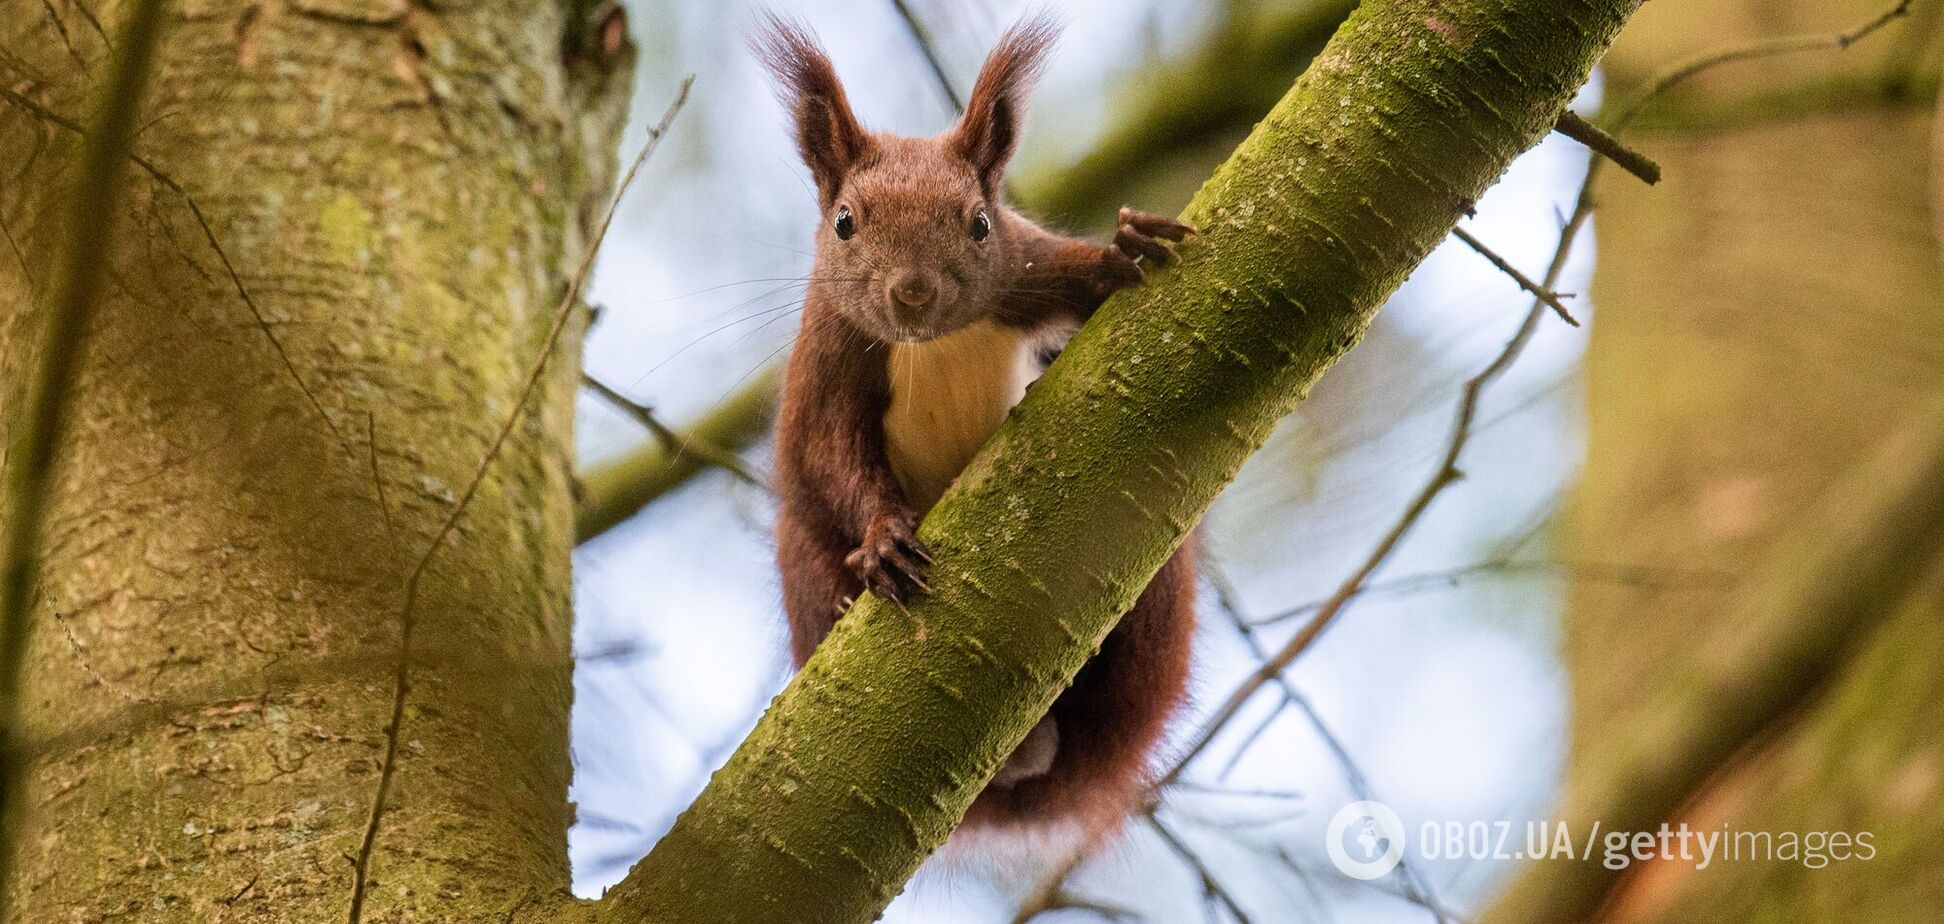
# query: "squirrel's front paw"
{"type": "Point", "coordinates": [1138, 237]}
{"type": "Point", "coordinates": [891, 559]}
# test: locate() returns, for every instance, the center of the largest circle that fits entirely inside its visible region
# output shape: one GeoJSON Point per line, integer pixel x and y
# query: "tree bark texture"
{"type": "Point", "coordinates": [403, 190]}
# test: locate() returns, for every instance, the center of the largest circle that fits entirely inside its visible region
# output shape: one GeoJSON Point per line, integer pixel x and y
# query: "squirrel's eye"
{"type": "Point", "coordinates": [846, 225]}
{"type": "Point", "coordinates": [981, 226]}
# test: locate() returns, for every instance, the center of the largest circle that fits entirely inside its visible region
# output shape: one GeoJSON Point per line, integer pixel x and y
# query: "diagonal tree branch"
{"type": "Point", "coordinates": [866, 762]}
{"type": "Point", "coordinates": [921, 37]}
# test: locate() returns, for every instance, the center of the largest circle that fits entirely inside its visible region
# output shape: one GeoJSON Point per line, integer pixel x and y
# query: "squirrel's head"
{"type": "Point", "coordinates": [912, 243]}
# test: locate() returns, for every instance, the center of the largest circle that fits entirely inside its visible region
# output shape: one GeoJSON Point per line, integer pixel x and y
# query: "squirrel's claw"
{"type": "Point", "coordinates": [1129, 240]}
{"type": "Point", "coordinates": [1138, 236]}
{"type": "Point", "coordinates": [890, 560]}
{"type": "Point", "coordinates": [1153, 225]}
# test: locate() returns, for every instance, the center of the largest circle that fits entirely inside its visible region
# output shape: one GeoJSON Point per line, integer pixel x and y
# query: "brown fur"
{"type": "Point", "coordinates": [845, 522]}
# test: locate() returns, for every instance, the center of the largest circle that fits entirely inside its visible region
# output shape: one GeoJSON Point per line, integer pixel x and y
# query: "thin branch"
{"type": "Point", "coordinates": [1211, 886]}
{"type": "Point", "coordinates": [1049, 894]}
{"type": "Point", "coordinates": [67, 41]}
{"type": "Point", "coordinates": [94, 22]}
{"type": "Point", "coordinates": [92, 209]}
{"type": "Point", "coordinates": [1620, 574]}
{"type": "Point", "coordinates": [407, 612]}
{"type": "Point", "coordinates": [1417, 888]}
{"type": "Point", "coordinates": [1542, 293]}
{"type": "Point", "coordinates": [1574, 126]}
{"type": "Point", "coordinates": [1069, 902]}
{"type": "Point", "coordinates": [922, 38]}
{"type": "Point", "coordinates": [20, 257]}
{"type": "Point", "coordinates": [1286, 795]}
{"type": "Point", "coordinates": [1255, 734]}
{"type": "Point", "coordinates": [611, 492]}
{"type": "Point", "coordinates": [1768, 48]}
{"type": "Point", "coordinates": [673, 444]}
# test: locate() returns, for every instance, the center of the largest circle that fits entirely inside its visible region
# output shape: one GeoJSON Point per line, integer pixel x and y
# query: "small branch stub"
{"type": "Point", "coordinates": [1574, 126]}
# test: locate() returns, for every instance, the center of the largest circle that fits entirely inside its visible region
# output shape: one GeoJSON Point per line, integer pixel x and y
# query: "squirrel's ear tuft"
{"type": "Point", "coordinates": [828, 134]}
{"type": "Point", "coordinates": [988, 132]}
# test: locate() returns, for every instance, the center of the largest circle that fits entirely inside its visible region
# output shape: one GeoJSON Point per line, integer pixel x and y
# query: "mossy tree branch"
{"type": "Point", "coordinates": [868, 760]}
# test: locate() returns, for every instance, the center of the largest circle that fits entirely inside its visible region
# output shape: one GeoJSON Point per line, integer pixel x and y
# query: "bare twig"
{"type": "Point", "coordinates": [1768, 48]}
{"type": "Point", "coordinates": [1542, 293]}
{"type": "Point", "coordinates": [922, 38]}
{"type": "Point", "coordinates": [1416, 887]}
{"type": "Point", "coordinates": [94, 23]}
{"type": "Point", "coordinates": [67, 40]}
{"type": "Point", "coordinates": [1618, 574]}
{"type": "Point", "coordinates": [1574, 126]}
{"type": "Point", "coordinates": [93, 207]}
{"type": "Point", "coordinates": [674, 444]}
{"type": "Point", "coordinates": [407, 611]}
{"type": "Point", "coordinates": [20, 257]}
{"type": "Point", "coordinates": [1067, 901]}
{"type": "Point", "coordinates": [1211, 886]}
{"type": "Point", "coordinates": [1255, 734]}
{"type": "Point", "coordinates": [1051, 892]}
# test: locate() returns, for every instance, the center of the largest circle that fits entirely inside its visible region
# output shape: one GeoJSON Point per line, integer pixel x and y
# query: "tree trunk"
{"type": "Point", "coordinates": [868, 759]}
{"type": "Point", "coordinates": [402, 190]}
{"type": "Point", "coordinates": [1765, 317]}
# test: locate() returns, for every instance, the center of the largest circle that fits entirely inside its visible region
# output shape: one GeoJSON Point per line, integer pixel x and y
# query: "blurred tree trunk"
{"type": "Point", "coordinates": [1764, 317]}
{"type": "Point", "coordinates": [404, 190]}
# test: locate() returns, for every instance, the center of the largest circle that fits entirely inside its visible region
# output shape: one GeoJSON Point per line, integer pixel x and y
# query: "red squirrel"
{"type": "Point", "coordinates": [929, 309]}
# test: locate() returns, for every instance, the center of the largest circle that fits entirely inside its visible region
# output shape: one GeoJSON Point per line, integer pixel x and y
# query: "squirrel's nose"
{"type": "Point", "coordinates": [913, 290]}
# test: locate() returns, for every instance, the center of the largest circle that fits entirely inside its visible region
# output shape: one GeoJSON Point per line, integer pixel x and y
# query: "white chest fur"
{"type": "Point", "coordinates": [948, 395]}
